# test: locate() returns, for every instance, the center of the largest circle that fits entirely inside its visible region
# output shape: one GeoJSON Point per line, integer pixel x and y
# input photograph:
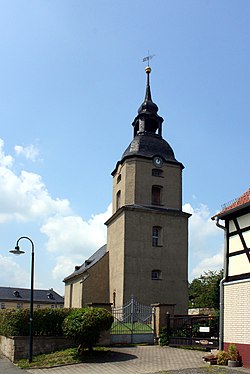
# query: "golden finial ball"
{"type": "Point", "coordinates": [148, 69]}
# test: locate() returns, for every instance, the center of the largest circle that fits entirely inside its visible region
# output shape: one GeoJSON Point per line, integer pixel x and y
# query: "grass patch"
{"type": "Point", "coordinates": [65, 357]}
{"type": "Point", "coordinates": [127, 328]}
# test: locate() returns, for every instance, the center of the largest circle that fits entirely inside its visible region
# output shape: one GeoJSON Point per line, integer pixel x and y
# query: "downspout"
{"type": "Point", "coordinates": [221, 322]}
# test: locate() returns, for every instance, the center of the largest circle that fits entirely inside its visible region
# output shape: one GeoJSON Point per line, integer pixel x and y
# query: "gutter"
{"type": "Point", "coordinates": [221, 322]}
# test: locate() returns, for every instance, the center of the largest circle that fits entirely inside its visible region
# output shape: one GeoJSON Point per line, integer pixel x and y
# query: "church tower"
{"type": "Point", "coordinates": [147, 234]}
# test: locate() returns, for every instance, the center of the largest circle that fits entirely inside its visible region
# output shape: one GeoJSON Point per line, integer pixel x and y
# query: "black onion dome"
{"type": "Point", "coordinates": [148, 141]}
{"type": "Point", "coordinates": [149, 145]}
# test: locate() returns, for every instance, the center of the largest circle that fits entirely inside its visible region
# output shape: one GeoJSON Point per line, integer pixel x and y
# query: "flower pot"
{"type": "Point", "coordinates": [233, 363]}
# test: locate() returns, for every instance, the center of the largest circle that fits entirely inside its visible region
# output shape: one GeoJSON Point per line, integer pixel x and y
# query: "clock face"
{"type": "Point", "coordinates": [158, 162]}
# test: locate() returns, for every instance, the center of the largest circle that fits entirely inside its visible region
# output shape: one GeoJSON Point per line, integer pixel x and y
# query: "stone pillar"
{"type": "Point", "coordinates": [160, 320]}
{"type": "Point", "coordinates": [100, 305]}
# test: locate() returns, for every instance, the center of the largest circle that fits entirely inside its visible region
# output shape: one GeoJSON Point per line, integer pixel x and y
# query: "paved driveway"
{"type": "Point", "coordinates": [140, 359]}
{"type": "Point", "coordinates": [136, 360]}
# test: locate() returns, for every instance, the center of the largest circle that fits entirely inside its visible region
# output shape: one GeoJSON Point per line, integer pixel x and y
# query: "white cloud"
{"type": "Point", "coordinates": [12, 275]}
{"type": "Point", "coordinates": [5, 161]}
{"type": "Point", "coordinates": [201, 228]}
{"type": "Point", "coordinates": [74, 239]}
{"type": "Point", "coordinates": [24, 197]}
{"type": "Point", "coordinates": [30, 152]}
{"type": "Point", "coordinates": [209, 263]}
{"type": "Point", "coordinates": [206, 241]}
{"type": "Point", "coordinates": [71, 233]}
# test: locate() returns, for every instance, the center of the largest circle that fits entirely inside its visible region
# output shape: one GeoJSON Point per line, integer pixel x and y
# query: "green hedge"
{"type": "Point", "coordinates": [49, 322]}
{"type": "Point", "coordinates": [46, 322]}
{"type": "Point", "coordinates": [14, 322]}
{"type": "Point", "coordinates": [85, 326]}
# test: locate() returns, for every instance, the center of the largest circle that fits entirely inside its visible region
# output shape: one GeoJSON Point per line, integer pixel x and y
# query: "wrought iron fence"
{"type": "Point", "coordinates": [133, 323]}
{"type": "Point", "coordinates": [199, 331]}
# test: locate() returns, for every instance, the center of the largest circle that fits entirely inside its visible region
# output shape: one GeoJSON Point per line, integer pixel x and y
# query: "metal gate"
{"type": "Point", "coordinates": [193, 331]}
{"type": "Point", "coordinates": [133, 323]}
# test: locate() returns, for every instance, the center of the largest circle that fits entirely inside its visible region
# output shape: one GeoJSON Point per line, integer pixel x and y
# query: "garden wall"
{"type": "Point", "coordinates": [17, 347]}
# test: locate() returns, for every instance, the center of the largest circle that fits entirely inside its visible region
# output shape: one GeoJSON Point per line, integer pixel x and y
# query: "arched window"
{"type": "Point", "coordinates": [156, 274]}
{"type": "Point", "coordinates": [156, 236]}
{"type": "Point", "coordinates": [118, 200]}
{"type": "Point", "coordinates": [156, 195]}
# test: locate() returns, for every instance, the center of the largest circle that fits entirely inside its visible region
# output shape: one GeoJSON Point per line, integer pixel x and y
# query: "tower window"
{"type": "Point", "coordinates": [118, 200]}
{"type": "Point", "coordinates": [156, 195]}
{"type": "Point", "coordinates": [156, 236]}
{"type": "Point", "coordinates": [157, 172]}
{"type": "Point", "coordinates": [156, 274]}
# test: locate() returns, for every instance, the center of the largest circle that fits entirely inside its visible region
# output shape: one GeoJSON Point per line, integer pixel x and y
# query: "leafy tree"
{"type": "Point", "coordinates": [85, 326]}
{"type": "Point", "coordinates": [204, 292]}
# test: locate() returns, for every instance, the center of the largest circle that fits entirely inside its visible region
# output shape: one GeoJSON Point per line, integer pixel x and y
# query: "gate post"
{"type": "Point", "coordinates": [161, 310]}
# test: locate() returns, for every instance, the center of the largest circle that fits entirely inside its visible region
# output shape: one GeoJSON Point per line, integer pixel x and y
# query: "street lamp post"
{"type": "Point", "coordinates": [17, 251]}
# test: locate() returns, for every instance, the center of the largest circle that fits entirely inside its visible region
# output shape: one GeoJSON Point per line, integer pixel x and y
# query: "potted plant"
{"type": "Point", "coordinates": [233, 356]}
{"type": "Point", "coordinates": [222, 358]}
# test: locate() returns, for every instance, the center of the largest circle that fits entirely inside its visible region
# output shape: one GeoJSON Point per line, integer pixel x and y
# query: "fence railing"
{"type": "Point", "coordinates": [199, 331]}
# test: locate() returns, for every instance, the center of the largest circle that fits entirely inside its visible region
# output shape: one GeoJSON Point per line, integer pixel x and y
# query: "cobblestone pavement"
{"type": "Point", "coordinates": [143, 360]}
{"type": "Point", "coordinates": [136, 360]}
{"type": "Point", "coordinates": [6, 367]}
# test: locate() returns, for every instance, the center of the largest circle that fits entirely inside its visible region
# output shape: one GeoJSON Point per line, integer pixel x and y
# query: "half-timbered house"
{"type": "Point", "coordinates": [235, 287]}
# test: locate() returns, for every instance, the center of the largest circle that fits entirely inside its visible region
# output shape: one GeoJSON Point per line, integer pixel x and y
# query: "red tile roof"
{"type": "Point", "coordinates": [242, 200]}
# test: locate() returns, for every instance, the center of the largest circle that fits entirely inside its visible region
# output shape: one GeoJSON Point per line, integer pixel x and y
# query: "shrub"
{"type": "Point", "coordinates": [48, 322]}
{"type": "Point", "coordinates": [85, 326]}
{"type": "Point", "coordinates": [232, 351]}
{"type": "Point", "coordinates": [163, 337]}
{"type": "Point", "coordinates": [222, 358]}
{"type": "Point", "coordinates": [14, 322]}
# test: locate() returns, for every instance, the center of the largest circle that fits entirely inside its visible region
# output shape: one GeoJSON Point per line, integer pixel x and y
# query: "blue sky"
{"type": "Point", "coordinates": [71, 81]}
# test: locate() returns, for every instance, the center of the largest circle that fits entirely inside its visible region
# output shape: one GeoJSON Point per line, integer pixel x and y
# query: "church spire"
{"type": "Point", "coordinates": [148, 105]}
{"type": "Point", "coordinates": [148, 91]}
{"type": "Point", "coordinates": [147, 120]}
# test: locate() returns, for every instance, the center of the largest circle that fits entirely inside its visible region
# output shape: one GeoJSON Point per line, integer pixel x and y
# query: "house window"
{"type": "Point", "coordinates": [156, 236]}
{"type": "Point", "coordinates": [118, 200]}
{"type": "Point", "coordinates": [157, 172]}
{"type": "Point", "coordinates": [156, 195]}
{"type": "Point", "coordinates": [119, 178]}
{"type": "Point", "coordinates": [156, 274]}
{"type": "Point", "coordinates": [70, 295]}
{"type": "Point", "coordinates": [2, 305]}
{"type": "Point", "coordinates": [16, 293]}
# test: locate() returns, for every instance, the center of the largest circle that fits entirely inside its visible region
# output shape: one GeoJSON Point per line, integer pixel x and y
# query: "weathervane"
{"type": "Point", "coordinates": [148, 58]}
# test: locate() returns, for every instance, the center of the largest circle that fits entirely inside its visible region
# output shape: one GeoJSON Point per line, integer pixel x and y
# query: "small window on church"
{"type": "Point", "coordinates": [119, 178]}
{"type": "Point", "coordinates": [157, 172]}
{"type": "Point", "coordinates": [156, 236]}
{"type": "Point", "coordinates": [118, 200]}
{"type": "Point", "coordinates": [156, 274]}
{"type": "Point", "coordinates": [156, 195]}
